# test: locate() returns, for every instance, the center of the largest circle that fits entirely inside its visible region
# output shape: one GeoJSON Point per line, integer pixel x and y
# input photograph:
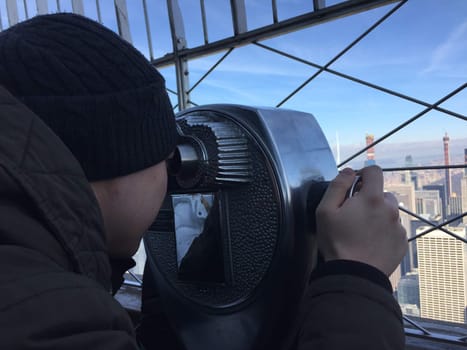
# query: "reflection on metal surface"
{"type": "Point", "coordinates": [198, 237]}
{"type": "Point", "coordinates": [191, 211]}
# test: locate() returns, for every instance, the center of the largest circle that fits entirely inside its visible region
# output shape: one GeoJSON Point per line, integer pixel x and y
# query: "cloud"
{"type": "Point", "coordinates": [450, 53]}
{"type": "Point", "coordinates": [226, 93]}
{"type": "Point", "coordinates": [255, 64]}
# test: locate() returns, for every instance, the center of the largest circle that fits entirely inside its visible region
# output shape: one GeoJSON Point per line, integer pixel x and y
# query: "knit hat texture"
{"type": "Point", "coordinates": [101, 96]}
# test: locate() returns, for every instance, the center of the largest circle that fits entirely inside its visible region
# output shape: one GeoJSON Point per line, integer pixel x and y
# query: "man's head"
{"type": "Point", "coordinates": [106, 103]}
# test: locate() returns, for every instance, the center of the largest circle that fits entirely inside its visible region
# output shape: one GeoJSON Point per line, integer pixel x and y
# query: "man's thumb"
{"type": "Point", "coordinates": [336, 193]}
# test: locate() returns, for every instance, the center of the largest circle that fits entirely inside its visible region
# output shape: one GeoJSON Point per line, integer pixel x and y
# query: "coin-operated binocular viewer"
{"type": "Point", "coordinates": [230, 253]}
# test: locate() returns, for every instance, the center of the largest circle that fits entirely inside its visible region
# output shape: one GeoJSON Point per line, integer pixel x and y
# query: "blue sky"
{"type": "Point", "coordinates": [421, 51]}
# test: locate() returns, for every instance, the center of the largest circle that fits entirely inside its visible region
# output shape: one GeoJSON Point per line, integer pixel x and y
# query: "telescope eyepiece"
{"type": "Point", "coordinates": [184, 163]}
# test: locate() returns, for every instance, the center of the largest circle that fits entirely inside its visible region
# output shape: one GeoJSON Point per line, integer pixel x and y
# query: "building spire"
{"type": "Point", "coordinates": [447, 172]}
{"type": "Point", "coordinates": [370, 152]}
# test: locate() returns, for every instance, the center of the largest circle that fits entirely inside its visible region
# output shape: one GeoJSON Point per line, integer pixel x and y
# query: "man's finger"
{"type": "Point", "coordinates": [336, 193]}
{"type": "Point", "coordinates": [372, 181]}
{"type": "Point", "coordinates": [391, 199]}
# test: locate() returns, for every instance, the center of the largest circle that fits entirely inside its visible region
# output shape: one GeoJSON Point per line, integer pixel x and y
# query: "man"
{"type": "Point", "coordinates": [77, 195]}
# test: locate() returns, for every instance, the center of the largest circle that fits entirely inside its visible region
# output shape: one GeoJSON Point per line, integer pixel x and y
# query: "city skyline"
{"type": "Point", "coordinates": [431, 281]}
{"type": "Point", "coordinates": [391, 154]}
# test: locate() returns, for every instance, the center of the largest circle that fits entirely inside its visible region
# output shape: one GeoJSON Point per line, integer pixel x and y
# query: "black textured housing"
{"type": "Point", "coordinates": [251, 215]}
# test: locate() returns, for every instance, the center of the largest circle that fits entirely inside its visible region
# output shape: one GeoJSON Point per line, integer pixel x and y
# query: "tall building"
{"type": "Point", "coordinates": [408, 294]}
{"type": "Point", "coordinates": [447, 172]}
{"type": "Point", "coordinates": [370, 152]}
{"type": "Point", "coordinates": [443, 275]}
{"type": "Point", "coordinates": [428, 204]}
{"type": "Point", "coordinates": [414, 225]}
{"type": "Point", "coordinates": [408, 175]}
{"type": "Point", "coordinates": [455, 208]}
{"type": "Point", "coordinates": [464, 188]}
{"type": "Point", "coordinates": [442, 195]}
{"type": "Point", "coordinates": [405, 195]}
{"type": "Point", "coordinates": [465, 161]}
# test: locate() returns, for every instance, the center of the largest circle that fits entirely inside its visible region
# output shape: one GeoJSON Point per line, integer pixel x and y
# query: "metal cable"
{"type": "Point", "coordinates": [437, 227]}
{"type": "Point", "coordinates": [432, 224]}
{"type": "Point", "coordinates": [211, 69]}
{"type": "Point", "coordinates": [359, 81]}
{"type": "Point", "coordinates": [341, 53]}
{"type": "Point", "coordinates": [403, 125]}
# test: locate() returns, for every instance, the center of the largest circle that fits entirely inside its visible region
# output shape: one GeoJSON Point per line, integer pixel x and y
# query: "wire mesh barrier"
{"type": "Point", "coordinates": [217, 54]}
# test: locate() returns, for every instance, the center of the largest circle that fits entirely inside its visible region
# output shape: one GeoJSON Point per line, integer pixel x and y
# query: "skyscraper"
{"type": "Point", "coordinates": [455, 208]}
{"type": "Point", "coordinates": [409, 176]}
{"type": "Point", "coordinates": [464, 188]}
{"type": "Point", "coordinates": [370, 152]}
{"type": "Point", "coordinates": [405, 195]}
{"type": "Point", "coordinates": [408, 294]}
{"type": "Point", "coordinates": [428, 204]}
{"type": "Point", "coordinates": [442, 195]}
{"type": "Point", "coordinates": [443, 275]}
{"type": "Point", "coordinates": [447, 172]}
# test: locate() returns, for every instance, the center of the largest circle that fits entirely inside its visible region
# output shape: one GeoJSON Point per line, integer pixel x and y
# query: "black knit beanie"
{"type": "Point", "coordinates": [93, 89]}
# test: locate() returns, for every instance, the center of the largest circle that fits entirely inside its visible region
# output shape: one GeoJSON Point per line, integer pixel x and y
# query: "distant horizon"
{"type": "Point", "coordinates": [389, 142]}
{"type": "Point", "coordinates": [392, 154]}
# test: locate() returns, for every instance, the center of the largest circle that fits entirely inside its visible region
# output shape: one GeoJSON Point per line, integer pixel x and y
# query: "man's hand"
{"type": "Point", "coordinates": [365, 227]}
